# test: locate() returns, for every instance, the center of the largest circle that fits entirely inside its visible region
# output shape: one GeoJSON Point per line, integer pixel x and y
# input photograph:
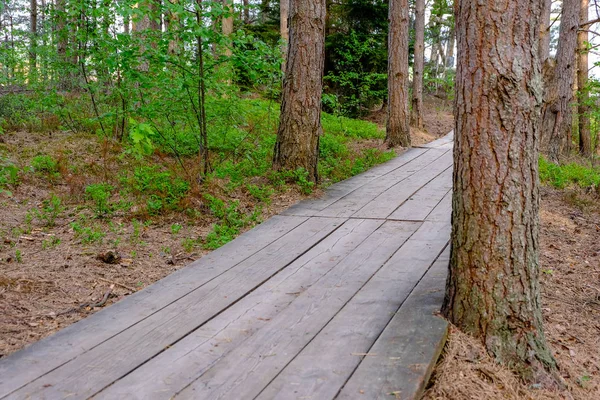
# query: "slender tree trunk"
{"type": "Point", "coordinates": [416, 116]}
{"type": "Point", "coordinates": [300, 128]}
{"type": "Point", "coordinates": [557, 113]}
{"type": "Point", "coordinates": [33, 30]}
{"type": "Point", "coordinates": [450, 47]}
{"type": "Point", "coordinates": [246, 4]}
{"type": "Point", "coordinates": [492, 289]}
{"type": "Point", "coordinates": [62, 40]}
{"type": "Point", "coordinates": [397, 129]}
{"type": "Point", "coordinates": [227, 25]}
{"type": "Point", "coordinates": [284, 8]}
{"type": "Point", "coordinates": [544, 48]}
{"type": "Point", "coordinates": [585, 138]}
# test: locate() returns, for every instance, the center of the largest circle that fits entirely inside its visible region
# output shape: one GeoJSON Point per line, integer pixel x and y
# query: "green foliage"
{"type": "Point", "coordinates": [18, 256]}
{"type": "Point", "coordinates": [50, 243]}
{"type": "Point", "coordinates": [175, 228]}
{"type": "Point", "coordinates": [561, 176]}
{"type": "Point", "coordinates": [221, 234]}
{"type": "Point", "coordinates": [87, 234]}
{"type": "Point", "coordinates": [163, 190]}
{"type": "Point", "coordinates": [51, 209]}
{"type": "Point", "coordinates": [9, 175]}
{"type": "Point", "coordinates": [45, 164]}
{"type": "Point", "coordinates": [100, 194]}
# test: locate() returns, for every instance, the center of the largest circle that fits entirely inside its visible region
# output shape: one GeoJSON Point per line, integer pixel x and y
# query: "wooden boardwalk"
{"type": "Point", "coordinates": [332, 299]}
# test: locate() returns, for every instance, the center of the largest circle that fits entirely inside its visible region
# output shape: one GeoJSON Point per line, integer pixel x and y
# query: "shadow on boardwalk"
{"type": "Point", "coordinates": [334, 298]}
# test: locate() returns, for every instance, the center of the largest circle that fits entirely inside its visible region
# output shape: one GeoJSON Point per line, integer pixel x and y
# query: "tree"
{"type": "Point", "coordinates": [585, 137]}
{"type": "Point", "coordinates": [417, 86]}
{"type": "Point", "coordinates": [33, 45]}
{"type": "Point", "coordinates": [556, 129]}
{"type": "Point", "coordinates": [397, 129]}
{"type": "Point", "coordinates": [297, 144]}
{"type": "Point", "coordinates": [284, 9]}
{"type": "Point", "coordinates": [492, 289]}
{"type": "Point", "coordinates": [544, 49]}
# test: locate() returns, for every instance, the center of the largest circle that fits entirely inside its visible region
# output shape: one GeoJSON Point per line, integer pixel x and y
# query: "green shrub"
{"type": "Point", "coordinates": [51, 209]}
{"type": "Point", "coordinates": [44, 164]}
{"type": "Point", "coordinates": [99, 193]}
{"type": "Point", "coordinates": [164, 191]}
{"type": "Point", "coordinates": [9, 175]}
{"type": "Point", "coordinates": [87, 234]}
{"type": "Point", "coordinates": [561, 176]}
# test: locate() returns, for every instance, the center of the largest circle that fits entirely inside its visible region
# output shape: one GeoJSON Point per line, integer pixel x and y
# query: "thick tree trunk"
{"type": "Point", "coordinates": [557, 113]}
{"type": "Point", "coordinates": [585, 138]}
{"type": "Point", "coordinates": [416, 116]}
{"type": "Point", "coordinates": [300, 128]}
{"type": "Point", "coordinates": [397, 129]}
{"type": "Point", "coordinates": [492, 289]}
{"type": "Point", "coordinates": [544, 47]}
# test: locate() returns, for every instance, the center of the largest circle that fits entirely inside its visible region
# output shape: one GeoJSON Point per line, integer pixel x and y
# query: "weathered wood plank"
{"type": "Point", "coordinates": [178, 366]}
{"type": "Point", "coordinates": [443, 211]}
{"type": "Point", "coordinates": [350, 204]}
{"type": "Point", "coordinates": [244, 372]}
{"type": "Point", "coordinates": [38, 359]}
{"type": "Point", "coordinates": [441, 142]}
{"type": "Point", "coordinates": [385, 204]}
{"type": "Point", "coordinates": [418, 206]}
{"type": "Point", "coordinates": [408, 348]}
{"type": "Point", "coordinates": [322, 368]}
{"type": "Point", "coordinates": [97, 368]}
{"type": "Point", "coordinates": [343, 188]}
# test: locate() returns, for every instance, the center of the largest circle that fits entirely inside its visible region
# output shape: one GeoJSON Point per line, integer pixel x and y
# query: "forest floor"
{"type": "Point", "coordinates": [66, 250]}
{"type": "Point", "coordinates": [570, 278]}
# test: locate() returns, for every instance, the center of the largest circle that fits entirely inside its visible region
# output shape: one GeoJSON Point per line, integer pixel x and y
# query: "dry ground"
{"type": "Point", "coordinates": [570, 265]}
{"type": "Point", "coordinates": [50, 278]}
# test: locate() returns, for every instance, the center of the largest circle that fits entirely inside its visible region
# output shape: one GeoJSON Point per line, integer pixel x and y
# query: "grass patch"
{"type": "Point", "coordinates": [569, 175]}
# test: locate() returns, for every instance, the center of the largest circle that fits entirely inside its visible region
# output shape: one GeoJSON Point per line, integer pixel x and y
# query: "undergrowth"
{"type": "Point", "coordinates": [155, 172]}
{"type": "Point", "coordinates": [567, 175]}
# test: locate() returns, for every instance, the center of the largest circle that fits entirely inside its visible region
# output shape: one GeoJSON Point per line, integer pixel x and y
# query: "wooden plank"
{"type": "Point", "coordinates": [350, 204]}
{"type": "Point", "coordinates": [175, 368]}
{"type": "Point", "coordinates": [385, 203]}
{"type": "Point", "coordinates": [441, 142]}
{"type": "Point", "coordinates": [345, 187]}
{"type": "Point", "coordinates": [408, 348]}
{"type": "Point", "coordinates": [322, 368]}
{"type": "Point", "coordinates": [38, 359]}
{"type": "Point", "coordinates": [245, 371]}
{"type": "Point", "coordinates": [96, 369]}
{"type": "Point", "coordinates": [443, 211]}
{"type": "Point", "coordinates": [418, 206]}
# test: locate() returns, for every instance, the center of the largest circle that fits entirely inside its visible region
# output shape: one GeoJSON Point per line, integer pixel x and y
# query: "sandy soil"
{"type": "Point", "coordinates": [570, 265]}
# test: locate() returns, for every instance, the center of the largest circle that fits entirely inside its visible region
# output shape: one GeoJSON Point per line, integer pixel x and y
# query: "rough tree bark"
{"type": "Point", "coordinates": [284, 9]}
{"type": "Point", "coordinates": [300, 128]}
{"type": "Point", "coordinates": [557, 113]}
{"type": "Point", "coordinates": [397, 129]}
{"type": "Point", "coordinates": [492, 289]}
{"type": "Point", "coordinates": [544, 47]}
{"type": "Point", "coordinates": [585, 138]}
{"type": "Point", "coordinates": [416, 116]}
{"type": "Point", "coordinates": [33, 13]}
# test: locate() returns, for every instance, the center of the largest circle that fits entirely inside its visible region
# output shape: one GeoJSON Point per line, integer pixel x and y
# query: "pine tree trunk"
{"type": "Point", "coordinates": [300, 128]}
{"type": "Point", "coordinates": [450, 47]}
{"type": "Point", "coordinates": [557, 113]}
{"type": "Point", "coordinates": [585, 138]}
{"type": "Point", "coordinates": [246, 4]}
{"type": "Point", "coordinates": [284, 9]}
{"type": "Point", "coordinates": [397, 129]}
{"type": "Point", "coordinates": [544, 49]}
{"type": "Point", "coordinates": [32, 76]}
{"type": "Point", "coordinates": [227, 25]}
{"type": "Point", "coordinates": [62, 39]}
{"type": "Point", "coordinates": [492, 289]}
{"type": "Point", "coordinates": [416, 118]}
